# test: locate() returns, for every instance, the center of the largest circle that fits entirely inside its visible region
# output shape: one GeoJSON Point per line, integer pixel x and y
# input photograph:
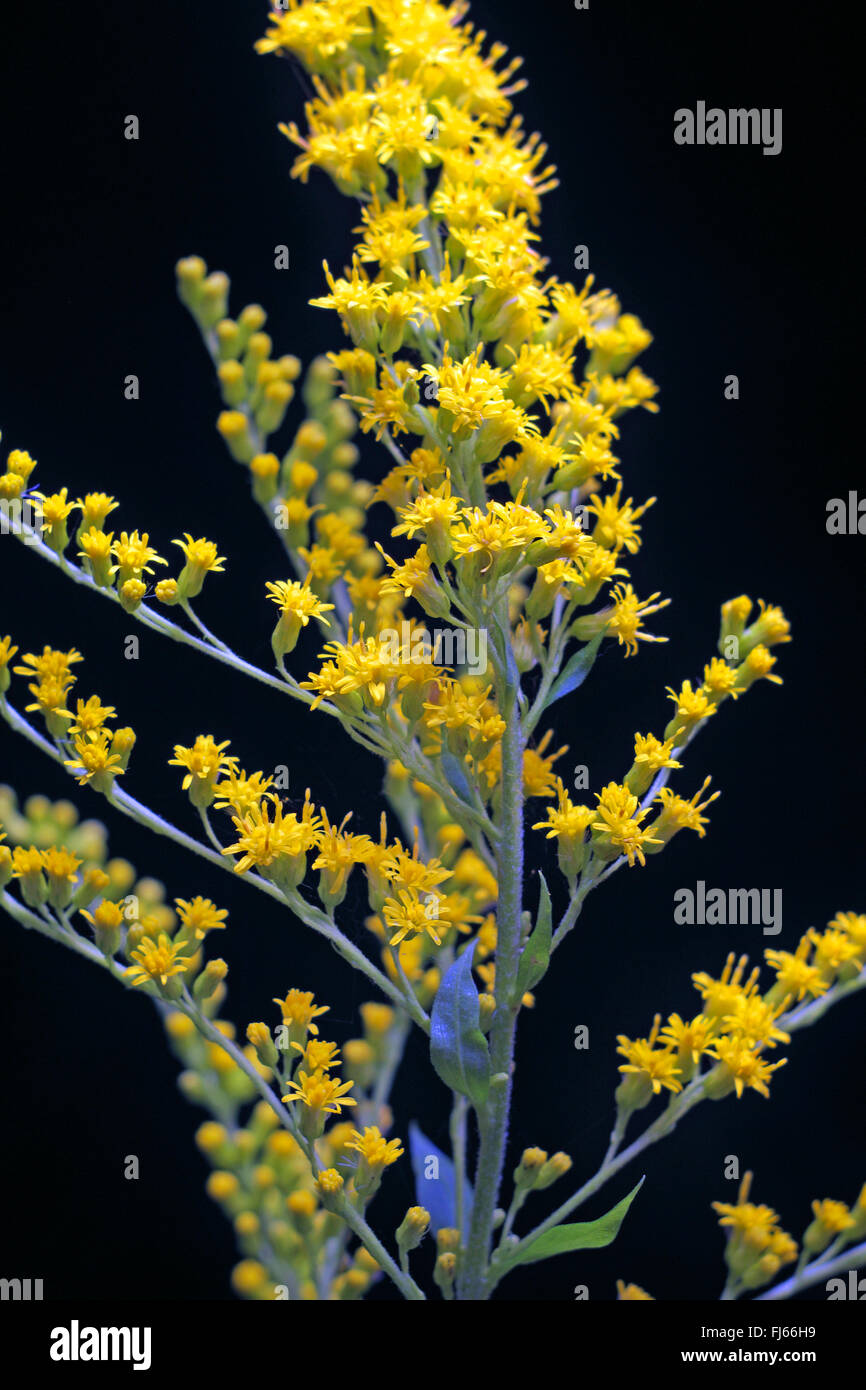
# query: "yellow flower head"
{"type": "Point", "coordinates": [835, 1217]}
{"type": "Point", "coordinates": [753, 1230]}
{"type": "Point", "coordinates": [60, 864]}
{"type": "Point", "coordinates": [625, 619]}
{"type": "Point", "coordinates": [201, 559]}
{"type": "Point", "coordinates": [200, 915]}
{"type": "Point", "coordinates": [95, 508]}
{"type": "Point", "coordinates": [52, 664]}
{"type": "Point", "coordinates": [720, 995]}
{"type": "Point", "coordinates": [239, 792]}
{"type": "Point", "coordinates": [27, 862]}
{"type": "Point", "coordinates": [616, 525]}
{"type": "Point", "coordinates": [94, 760]}
{"type": "Point", "coordinates": [567, 821]}
{"type": "Point", "coordinates": [318, 1055]}
{"type": "Point", "coordinates": [330, 1181]}
{"type": "Point", "coordinates": [690, 1039]}
{"type": "Point", "coordinates": [297, 600]}
{"type": "Point", "coordinates": [796, 976]}
{"type": "Point", "coordinates": [618, 829]}
{"type": "Point", "coordinates": [134, 555]}
{"type": "Point", "coordinates": [204, 761]}
{"type": "Point", "coordinates": [299, 1010]}
{"type": "Point", "coordinates": [410, 915]}
{"type": "Point", "coordinates": [657, 1067]}
{"type": "Point", "coordinates": [720, 680]}
{"type": "Point", "coordinates": [157, 961]}
{"type": "Point", "coordinates": [679, 814]}
{"type": "Point", "coordinates": [743, 1066]}
{"type": "Point", "coordinates": [655, 753]}
{"type": "Point", "coordinates": [320, 1093]}
{"type": "Point", "coordinates": [377, 1151]}
{"type": "Point", "coordinates": [90, 716]}
{"type": "Point", "coordinates": [692, 706]}
{"type": "Point", "coordinates": [266, 835]}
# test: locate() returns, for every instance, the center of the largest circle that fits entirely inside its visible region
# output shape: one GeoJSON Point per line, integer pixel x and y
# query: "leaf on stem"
{"type": "Point", "coordinates": [578, 1235]}
{"type": "Point", "coordinates": [575, 671]}
{"type": "Point", "coordinates": [536, 953]}
{"type": "Point", "coordinates": [455, 774]}
{"type": "Point", "coordinates": [435, 1182]}
{"type": "Point", "coordinates": [458, 1048]}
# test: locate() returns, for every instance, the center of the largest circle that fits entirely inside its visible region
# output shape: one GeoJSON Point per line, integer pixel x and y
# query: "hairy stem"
{"type": "Point", "coordinates": [493, 1120]}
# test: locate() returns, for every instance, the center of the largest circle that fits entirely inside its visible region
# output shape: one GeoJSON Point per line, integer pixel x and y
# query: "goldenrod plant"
{"type": "Point", "coordinates": [495, 394]}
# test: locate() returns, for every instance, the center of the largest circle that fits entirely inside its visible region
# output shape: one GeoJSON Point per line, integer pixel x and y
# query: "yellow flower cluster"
{"type": "Point", "coordinates": [405, 891]}
{"type": "Point", "coordinates": [619, 825]}
{"type": "Point", "coordinates": [738, 1022]}
{"type": "Point", "coordinates": [260, 1176]}
{"type": "Point", "coordinates": [98, 754]}
{"type": "Point", "coordinates": [120, 563]}
{"type": "Point", "coordinates": [497, 391]}
{"type": "Point", "coordinates": [414, 118]}
{"type": "Point", "coordinates": [757, 1247]}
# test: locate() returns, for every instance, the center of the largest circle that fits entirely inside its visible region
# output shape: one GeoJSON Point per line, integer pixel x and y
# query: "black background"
{"type": "Point", "coordinates": [739, 263]}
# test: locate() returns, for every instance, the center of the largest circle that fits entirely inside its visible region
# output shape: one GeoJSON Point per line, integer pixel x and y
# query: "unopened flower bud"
{"type": "Point", "coordinates": [555, 1167]}
{"type": "Point", "coordinates": [190, 277]}
{"type": "Point", "coordinates": [259, 1034]}
{"type": "Point", "coordinates": [234, 428]}
{"type": "Point", "coordinates": [444, 1272]}
{"type": "Point", "coordinates": [330, 1185]}
{"type": "Point", "coordinates": [272, 410]}
{"type": "Point", "coordinates": [212, 300]}
{"type": "Point", "coordinates": [107, 922]}
{"type": "Point", "coordinates": [413, 1228]}
{"type": "Point", "coordinates": [447, 1239]}
{"type": "Point", "coordinates": [213, 975]}
{"type": "Point", "coordinates": [230, 339]}
{"type": "Point", "coordinates": [528, 1170]}
{"type": "Point", "coordinates": [233, 383]}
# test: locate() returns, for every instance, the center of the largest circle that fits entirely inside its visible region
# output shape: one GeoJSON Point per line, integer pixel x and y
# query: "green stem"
{"type": "Point", "coordinates": [679, 1106]}
{"type": "Point", "coordinates": [493, 1119]}
{"type": "Point", "coordinates": [458, 1152]}
{"type": "Point", "coordinates": [310, 915]}
{"type": "Point", "coordinates": [817, 1272]}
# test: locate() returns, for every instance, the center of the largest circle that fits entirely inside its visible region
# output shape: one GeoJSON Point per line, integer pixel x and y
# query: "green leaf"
{"type": "Point", "coordinates": [455, 775]}
{"type": "Point", "coordinates": [579, 1235]}
{"type": "Point", "coordinates": [575, 671]}
{"type": "Point", "coordinates": [436, 1183]}
{"type": "Point", "coordinates": [458, 1048]}
{"type": "Point", "coordinates": [505, 651]}
{"type": "Point", "coordinates": [536, 953]}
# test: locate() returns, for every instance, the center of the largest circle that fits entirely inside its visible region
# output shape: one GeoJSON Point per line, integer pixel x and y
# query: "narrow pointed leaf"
{"type": "Point", "coordinates": [458, 1048]}
{"type": "Point", "coordinates": [575, 671]}
{"type": "Point", "coordinates": [536, 953]}
{"type": "Point", "coordinates": [436, 1182]}
{"type": "Point", "coordinates": [578, 1235]}
{"type": "Point", "coordinates": [455, 773]}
